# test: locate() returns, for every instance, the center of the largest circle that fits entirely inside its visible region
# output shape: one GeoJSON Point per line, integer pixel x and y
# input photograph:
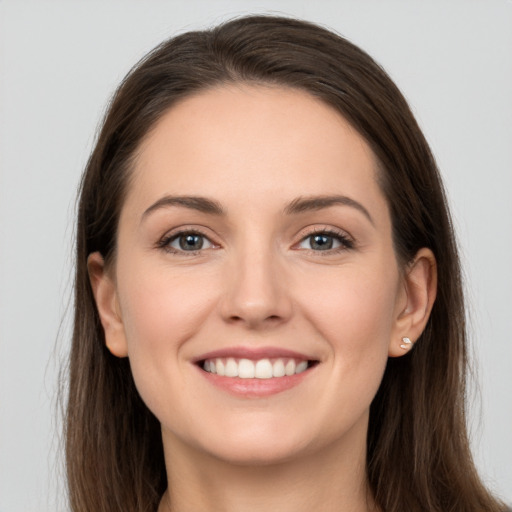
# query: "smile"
{"type": "Point", "coordinates": [250, 372]}
{"type": "Point", "coordinates": [255, 369]}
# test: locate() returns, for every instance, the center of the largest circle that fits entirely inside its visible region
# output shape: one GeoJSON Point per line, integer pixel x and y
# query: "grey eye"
{"type": "Point", "coordinates": [320, 242]}
{"type": "Point", "coordinates": [190, 242]}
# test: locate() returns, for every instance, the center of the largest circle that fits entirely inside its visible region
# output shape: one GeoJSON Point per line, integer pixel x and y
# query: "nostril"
{"type": "Point", "coordinates": [274, 317]}
{"type": "Point", "coordinates": [249, 319]}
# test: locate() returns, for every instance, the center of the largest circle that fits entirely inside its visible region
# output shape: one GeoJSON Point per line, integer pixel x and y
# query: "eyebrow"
{"type": "Point", "coordinates": [201, 204]}
{"type": "Point", "coordinates": [312, 203]}
{"type": "Point", "coordinates": [299, 205]}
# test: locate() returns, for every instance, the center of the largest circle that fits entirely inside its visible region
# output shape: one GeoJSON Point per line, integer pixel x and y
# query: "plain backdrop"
{"type": "Point", "coordinates": [59, 64]}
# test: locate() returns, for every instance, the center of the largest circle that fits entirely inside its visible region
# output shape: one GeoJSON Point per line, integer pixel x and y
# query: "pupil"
{"type": "Point", "coordinates": [321, 242]}
{"type": "Point", "coordinates": [191, 242]}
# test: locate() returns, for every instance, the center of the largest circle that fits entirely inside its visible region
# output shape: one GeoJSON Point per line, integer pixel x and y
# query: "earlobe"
{"type": "Point", "coordinates": [105, 295]}
{"type": "Point", "coordinates": [420, 288]}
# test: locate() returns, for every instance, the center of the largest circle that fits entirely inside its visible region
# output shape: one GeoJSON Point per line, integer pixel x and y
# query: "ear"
{"type": "Point", "coordinates": [105, 294]}
{"type": "Point", "coordinates": [414, 307]}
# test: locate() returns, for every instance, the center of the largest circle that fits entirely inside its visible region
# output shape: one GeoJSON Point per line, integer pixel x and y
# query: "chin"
{"type": "Point", "coordinates": [241, 439]}
{"type": "Point", "coordinates": [257, 454]}
{"type": "Point", "coordinates": [263, 445]}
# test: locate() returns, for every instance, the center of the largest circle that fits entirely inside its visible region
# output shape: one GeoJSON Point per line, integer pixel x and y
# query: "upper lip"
{"type": "Point", "coordinates": [254, 353]}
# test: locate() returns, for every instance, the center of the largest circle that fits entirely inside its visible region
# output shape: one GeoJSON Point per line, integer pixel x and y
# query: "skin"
{"type": "Point", "coordinates": [259, 282]}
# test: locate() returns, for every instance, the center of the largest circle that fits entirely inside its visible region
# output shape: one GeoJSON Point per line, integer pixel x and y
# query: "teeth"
{"type": "Point", "coordinates": [261, 369]}
{"type": "Point", "coordinates": [219, 365]}
{"type": "Point", "coordinates": [231, 368]}
{"type": "Point", "coordinates": [246, 369]}
{"type": "Point", "coordinates": [301, 367]}
{"type": "Point", "coordinates": [278, 368]}
{"type": "Point", "coordinates": [290, 367]}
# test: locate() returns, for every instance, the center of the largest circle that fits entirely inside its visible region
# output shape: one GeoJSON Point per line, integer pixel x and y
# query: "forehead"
{"type": "Point", "coordinates": [241, 142]}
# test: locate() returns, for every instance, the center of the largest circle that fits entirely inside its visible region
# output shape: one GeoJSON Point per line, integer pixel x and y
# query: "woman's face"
{"type": "Point", "coordinates": [255, 240]}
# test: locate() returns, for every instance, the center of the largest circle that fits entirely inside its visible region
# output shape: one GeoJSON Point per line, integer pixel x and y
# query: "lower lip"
{"type": "Point", "coordinates": [255, 387]}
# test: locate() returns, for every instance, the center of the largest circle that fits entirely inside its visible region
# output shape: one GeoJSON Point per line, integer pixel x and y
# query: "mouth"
{"type": "Point", "coordinates": [263, 368]}
{"type": "Point", "coordinates": [250, 372]}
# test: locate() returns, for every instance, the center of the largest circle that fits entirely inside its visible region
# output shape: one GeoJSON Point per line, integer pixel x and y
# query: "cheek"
{"type": "Point", "coordinates": [161, 311]}
{"type": "Point", "coordinates": [160, 307]}
{"type": "Point", "coordinates": [354, 306]}
{"type": "Point", "coordinates": [350, 313]}
{"type": "Point", "coordinates": [355, 314]}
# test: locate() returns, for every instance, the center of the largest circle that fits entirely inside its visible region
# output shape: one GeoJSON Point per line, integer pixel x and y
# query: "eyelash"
{"type": "Point", "coordinates": [165, 242]}
{"type": "Point", "coordinates": [346, 243]}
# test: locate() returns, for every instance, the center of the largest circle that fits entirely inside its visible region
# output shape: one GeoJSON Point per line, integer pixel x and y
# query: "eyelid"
{"type": "Point", "coordinates": [164, 241]}
{"type": "Point", "coordinates": [346, 240]}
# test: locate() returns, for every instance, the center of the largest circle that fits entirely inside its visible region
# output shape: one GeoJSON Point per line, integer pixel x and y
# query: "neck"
{"type": "Point", "coordinates": [332, 479]}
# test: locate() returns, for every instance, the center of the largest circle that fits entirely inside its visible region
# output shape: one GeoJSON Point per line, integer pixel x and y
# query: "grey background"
{"type": "Point", "coordinates": [60, 62]}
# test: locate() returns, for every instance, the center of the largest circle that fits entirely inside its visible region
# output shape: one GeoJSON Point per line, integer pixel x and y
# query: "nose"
{"type": "Point", "coordinates": [256, 293]}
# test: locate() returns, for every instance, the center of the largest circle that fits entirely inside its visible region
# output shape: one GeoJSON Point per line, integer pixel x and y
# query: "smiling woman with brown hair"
{"type": "Point", "coordinates": [269, 311]}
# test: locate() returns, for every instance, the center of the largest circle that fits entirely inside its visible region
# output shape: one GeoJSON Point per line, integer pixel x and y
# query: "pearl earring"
{"type": "Point", "coordinates": [406, 343]}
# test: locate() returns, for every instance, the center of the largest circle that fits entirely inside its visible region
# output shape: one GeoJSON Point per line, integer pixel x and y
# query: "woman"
{"type": "Point", "coordinates": [269, 311]}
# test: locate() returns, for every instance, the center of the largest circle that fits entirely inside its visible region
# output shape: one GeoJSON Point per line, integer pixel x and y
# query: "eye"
{"type": "Point", "coordinates": [325, 241]}
{"type": "Point", "coordinates": [187, 241]}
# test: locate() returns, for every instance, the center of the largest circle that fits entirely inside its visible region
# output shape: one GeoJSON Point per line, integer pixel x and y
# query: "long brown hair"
{"type": "Point", "coordinates": [418, 456]}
